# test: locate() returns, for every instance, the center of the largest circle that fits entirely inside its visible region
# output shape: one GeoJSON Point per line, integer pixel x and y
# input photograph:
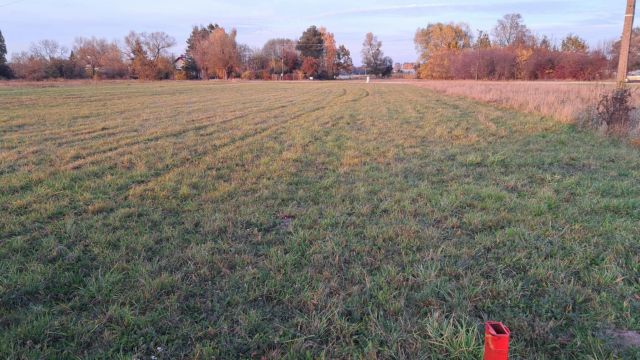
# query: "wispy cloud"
{"type": "Point", "coordinates": [387, 9]}
{"type": "Point", "coordinates": [459, 6]}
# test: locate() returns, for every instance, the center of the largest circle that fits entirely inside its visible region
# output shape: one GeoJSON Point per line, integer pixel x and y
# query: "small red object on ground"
{"type": "Point", "coordinates": [496, 341]}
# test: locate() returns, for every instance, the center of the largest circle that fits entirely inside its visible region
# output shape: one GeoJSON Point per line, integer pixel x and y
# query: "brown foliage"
{"type": "Point", "coordinates": [248, 75]}
{"type": "Point", "coordinates": [330, 53]}
{"type": "Point", "coordinates": [438, 38]}
{"type": "Point", "coordinates": [45, 59]}
{"type": "Point", "coordinates": [438, 67]}
{"type": "Point", "coordinates": [148, 55]}
{"type": "Point", "coordinates": [28, 66]}
{"type": "Point", "coordinates": [515, 64]}
{"type": "Point", "coordinates": [100, 57]}
{"type": "Point", "coordinates": [217, 54]}
{"type": "Point", "coordinates": [310, 66]}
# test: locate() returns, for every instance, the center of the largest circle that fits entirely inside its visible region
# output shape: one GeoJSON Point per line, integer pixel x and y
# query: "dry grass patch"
{"type": "Point", "coordinates": [564, 101]}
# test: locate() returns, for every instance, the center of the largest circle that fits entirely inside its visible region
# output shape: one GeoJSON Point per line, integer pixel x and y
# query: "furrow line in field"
{"type": "Point", "coordinates": [98, 119]}
{"type": "Point", "coordinates": [235, 143]}
{"type": "Point", "coordinates": [135, 138]}
{"type": "Point", "coordinates": [118, 148]}
{"type": "Point", "coordinates": [53, 171]}
{"type": "Point", "coordinates": [223, 148]}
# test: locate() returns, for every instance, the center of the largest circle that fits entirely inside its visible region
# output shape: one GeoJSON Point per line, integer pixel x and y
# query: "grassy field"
{"type": "Point", "coordinates": [336, 220]}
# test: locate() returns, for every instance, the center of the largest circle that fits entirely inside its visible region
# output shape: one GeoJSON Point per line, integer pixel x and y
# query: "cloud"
{"type": "Point", "coordinates": [456, 6]}
{"type": "Point", "coordinates": [387, 9]}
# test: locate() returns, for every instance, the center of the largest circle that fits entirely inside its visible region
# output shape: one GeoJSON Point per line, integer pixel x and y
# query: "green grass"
{"type": "Point", "coordinates": [310, 220]}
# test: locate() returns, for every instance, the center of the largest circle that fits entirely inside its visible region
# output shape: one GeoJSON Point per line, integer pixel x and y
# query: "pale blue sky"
{"type": "Point", "coordinates": [26, 21]}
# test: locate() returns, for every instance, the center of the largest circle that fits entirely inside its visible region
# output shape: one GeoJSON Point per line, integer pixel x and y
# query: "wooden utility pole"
{"type": "Point", "coordinates": [625, 45]}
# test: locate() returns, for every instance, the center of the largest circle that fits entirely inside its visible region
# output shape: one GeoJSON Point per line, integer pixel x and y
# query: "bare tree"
{"type": "Point", "coordinates": [25, 65]}
{"type": "Point", "coordinates": [372, 55]}
{"type": "Point", "coordinates": [244, 56]}
{"type": "Point", "coordinates": [100, 57]}
{"type": "Point", "coordinates": [49, 50]}
{"type": "Point", "coordinates": [511, 31]}
{"type": "Point", "coordinates": [149, 54]}
{"type": "Point", "coordinates": [282, 55]}
{"type": "Point", "coordinates": [258, 60]}
{"type": "Point", "coordinates": [158, 44]}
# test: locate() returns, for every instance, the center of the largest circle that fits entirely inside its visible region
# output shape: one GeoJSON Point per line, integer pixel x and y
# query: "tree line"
{"type": "Point", "coordinates": [510, 52]}
{"type": "Point", "coordinates": [212, 52]}
{"type": "Point", "coordinates": [142, 56]}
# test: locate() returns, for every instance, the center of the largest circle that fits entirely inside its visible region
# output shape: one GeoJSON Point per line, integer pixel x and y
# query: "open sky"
{"type": "Point", "coordinates": [25, 21]}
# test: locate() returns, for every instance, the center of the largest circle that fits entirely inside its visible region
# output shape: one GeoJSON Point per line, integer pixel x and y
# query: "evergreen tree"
{"type": "Point", "coordinates": [5, 70]}
{"type": "Point", "coordinates": [3, 50]}
{"type": "Point", "coordinates": [483, 42]}
{"type": "Point", "coordinates": [574, 43]}
{"type": "Point", "coordinates": [311, 43]}
{"type": "Point", "coordinates": [344, 61]}
{"type": "Point", "coordinates": [545, 43]}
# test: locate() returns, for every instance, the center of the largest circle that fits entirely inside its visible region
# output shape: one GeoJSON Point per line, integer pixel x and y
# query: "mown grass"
{"type": "Point", "coordinates": [335, 220]}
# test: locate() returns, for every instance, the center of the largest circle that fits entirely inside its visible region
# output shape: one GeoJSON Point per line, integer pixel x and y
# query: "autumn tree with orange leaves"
{"type": "Point", "coordinates": [217, 54]}
{"type": "Point", "coordinates": [148, 55]}
{"type": "Point", "coordinates": [310, 66]}
{"type": "Point", "coordinates": [329, 64]}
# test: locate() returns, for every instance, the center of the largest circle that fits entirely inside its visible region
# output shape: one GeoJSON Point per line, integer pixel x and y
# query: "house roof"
{"type": "Point", "coordinates": [408, 66]}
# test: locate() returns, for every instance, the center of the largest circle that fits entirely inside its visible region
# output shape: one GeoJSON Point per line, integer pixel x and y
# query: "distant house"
{"type": "Point", "coordinates": [180, 62]}
{"type": "Point", "coordinates": [408, 68]}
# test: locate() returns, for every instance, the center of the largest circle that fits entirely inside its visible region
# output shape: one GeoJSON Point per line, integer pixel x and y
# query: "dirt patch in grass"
{"type": "Point", "coordinates": [623, 339]}
{"type": "Point", "coordinates": [286, 221]}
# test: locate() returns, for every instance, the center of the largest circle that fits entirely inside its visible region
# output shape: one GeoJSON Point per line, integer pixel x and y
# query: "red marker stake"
{"type": "Point", "coordinates": [496, 341]}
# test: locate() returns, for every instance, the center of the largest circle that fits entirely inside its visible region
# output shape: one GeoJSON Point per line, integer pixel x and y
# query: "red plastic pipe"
{"type": "Point", "coordinates": [496, 341]}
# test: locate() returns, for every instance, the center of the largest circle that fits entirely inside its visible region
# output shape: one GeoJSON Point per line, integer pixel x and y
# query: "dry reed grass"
{"type": "Point", "coordinates": [564, 101]}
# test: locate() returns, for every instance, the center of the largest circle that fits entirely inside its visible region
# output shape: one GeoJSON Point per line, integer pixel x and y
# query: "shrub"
{"type": "Point", "coordinates": [615, 109]}
{"type": "Point", "coordinates": [248, 75]}
{"type": "Point", "coordinates": [438, 67]}
{"type": "Point", "coordinates": [181, 75]}
{"type": "Point", "coordinates": [263, 75]}
{"type": "Point", "coordinates": [511, 64]}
